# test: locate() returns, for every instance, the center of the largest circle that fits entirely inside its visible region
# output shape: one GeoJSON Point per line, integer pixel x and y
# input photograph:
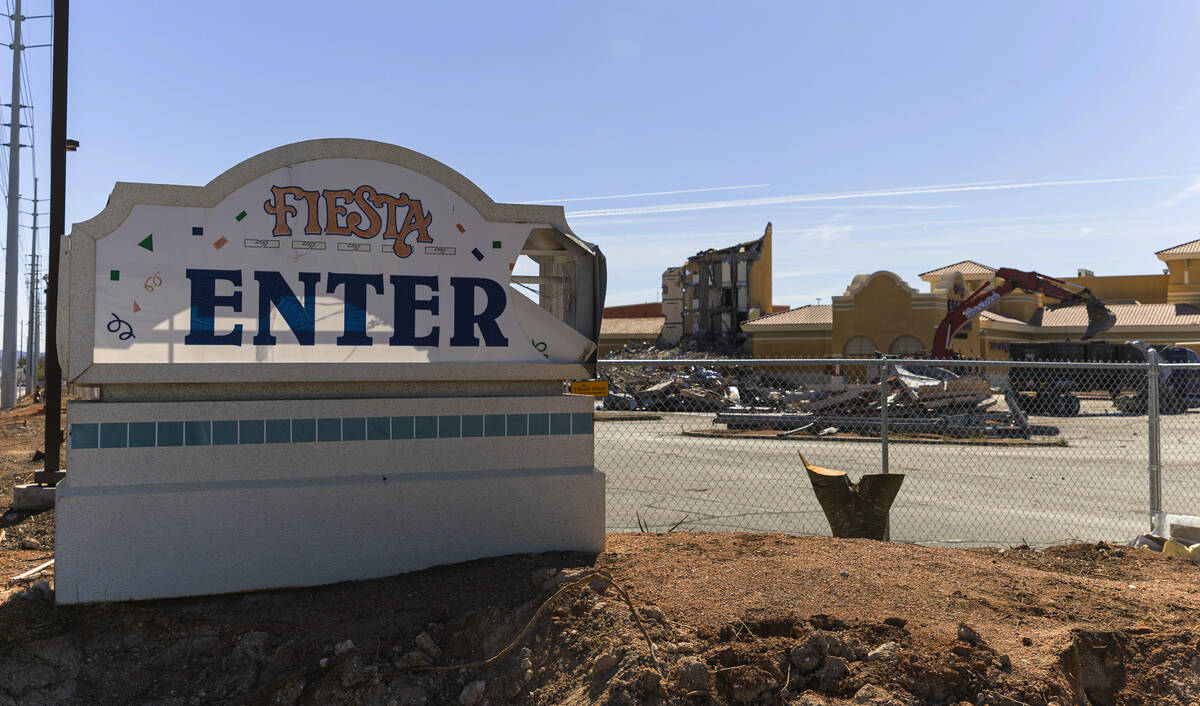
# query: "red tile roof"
{"type": "Point", "coordinates": [1129, 316]}
{"type": "Point", "coordinates": [813, 315]}
{"type": "Point", "coordinates": [1000, 318]}
{"type": "Point", "coordinates": [967, 267]}
{"type": "Point", "coordinates": [1188, 248]}
{"type": "Point", "coordinates": [649, 326]}
{"type": "Point", "coordinates": [633, 311]}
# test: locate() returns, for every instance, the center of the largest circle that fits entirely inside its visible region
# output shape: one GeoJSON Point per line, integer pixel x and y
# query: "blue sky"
{"type": "Point", "coordinates": [874, 135]}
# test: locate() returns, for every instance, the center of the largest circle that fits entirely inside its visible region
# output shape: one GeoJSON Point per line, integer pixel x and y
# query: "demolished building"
{"type": "Point", "coordinates": [705, 301]}
{"type": "Point", "coordinates": [715, 291]}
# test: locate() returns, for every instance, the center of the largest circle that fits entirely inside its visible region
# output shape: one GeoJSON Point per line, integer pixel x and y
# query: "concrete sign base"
{"type": "Point", "coordinates": [174, 499]}
{"type": "Point", "coordinates": [315, 368]}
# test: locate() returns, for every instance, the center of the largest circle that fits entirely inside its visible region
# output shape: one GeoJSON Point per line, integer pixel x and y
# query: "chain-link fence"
{"type": "Point", "coordinates": [992, 452]}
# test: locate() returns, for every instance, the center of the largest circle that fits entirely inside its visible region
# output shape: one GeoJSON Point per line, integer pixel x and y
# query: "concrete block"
{"type": "Point", "coordinates": [1183, 528]}
{"type": "Point", "coordinates": [33, 497]}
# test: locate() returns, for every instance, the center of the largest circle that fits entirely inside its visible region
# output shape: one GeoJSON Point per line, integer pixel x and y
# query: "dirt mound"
{"type": "Point", "coordinates": [733, 619]}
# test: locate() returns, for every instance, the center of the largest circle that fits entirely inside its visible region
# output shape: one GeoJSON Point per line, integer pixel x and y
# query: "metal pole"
{"type": "Point", "coordinates": [12, 269]}
{"type": "Point", "coordinates": [31, 349]}
{"type": "Point", "coordinates": [58, 177]}
{"type": "Point", "coordinates": [884, 369]}
{"type": "Point", "coordinates": [1153, 440]}
{"type": "Point", "coordinates": [29, 332]}
{"type": "Point", "coordinates": [884, 390]}
{"type": "Point", "coordinates": [35, 295]}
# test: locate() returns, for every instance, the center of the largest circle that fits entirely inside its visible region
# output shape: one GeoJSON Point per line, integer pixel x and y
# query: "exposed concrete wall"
{"type": "Point", "coordinates": [761, 275]}
{"type": "Point", "coordinates": [173, 499]}
{"type": "Point", "coordinates": [672, 305]}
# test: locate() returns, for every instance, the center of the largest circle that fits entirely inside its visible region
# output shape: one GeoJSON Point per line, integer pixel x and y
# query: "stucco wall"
{"type": "Point", "coordinates": [883, 310]}
{"type": "Point", "coordinates": [1147, 289]}
{"type": "Point", "coordinates": [792, 344]}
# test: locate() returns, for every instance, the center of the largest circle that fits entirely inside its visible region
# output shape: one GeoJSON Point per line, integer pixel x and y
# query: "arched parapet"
{"type": "Point", "coordinates": [861, 282]}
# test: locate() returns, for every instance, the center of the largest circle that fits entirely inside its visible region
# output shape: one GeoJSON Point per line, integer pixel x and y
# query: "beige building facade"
{"type": "Point", "coordinates": [881, 313]}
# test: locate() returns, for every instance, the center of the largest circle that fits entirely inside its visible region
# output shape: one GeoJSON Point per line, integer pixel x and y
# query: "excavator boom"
{"type": "Point", "coordinates": [1100, 318]}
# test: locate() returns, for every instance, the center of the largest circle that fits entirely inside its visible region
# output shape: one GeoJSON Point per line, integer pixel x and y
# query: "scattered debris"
{"type": "Point", "coordinates": [920, 399]}
{"type": "Point", "coordinates": [34, 571]}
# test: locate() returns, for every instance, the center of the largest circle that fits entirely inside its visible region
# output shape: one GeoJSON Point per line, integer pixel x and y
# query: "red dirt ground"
{"type": "Point", "coordinates": [733, 618]}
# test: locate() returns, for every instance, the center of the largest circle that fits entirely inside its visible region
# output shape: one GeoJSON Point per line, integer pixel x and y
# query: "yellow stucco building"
{"type": "Point", "coordinates": [881, 312]}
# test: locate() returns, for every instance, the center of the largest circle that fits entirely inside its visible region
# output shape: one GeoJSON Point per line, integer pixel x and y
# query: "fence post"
{"type": "Point", "coordinates": [884, 367]}
{"type": "Point", "coordinates": [1153, 440]}
{"type": "Point", "coordinates": [884, 389]}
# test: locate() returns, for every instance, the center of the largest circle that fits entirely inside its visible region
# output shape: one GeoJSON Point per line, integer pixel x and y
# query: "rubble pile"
{"type": "Point", "coordinates": [691, 349]}
{"type": "Point", "coordinates": [672, 388]}
{"type": "Point", "coordinates": [920, 399]}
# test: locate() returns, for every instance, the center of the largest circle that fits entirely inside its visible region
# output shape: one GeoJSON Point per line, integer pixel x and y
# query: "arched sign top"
{"type": "Point", "coordinates": [320, 253]}
{"type": "Point", "coordinates": [127, 194]}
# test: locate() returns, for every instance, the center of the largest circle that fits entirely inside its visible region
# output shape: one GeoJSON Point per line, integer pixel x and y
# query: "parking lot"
{"type": "Point", "coordinates": [1088, 482]}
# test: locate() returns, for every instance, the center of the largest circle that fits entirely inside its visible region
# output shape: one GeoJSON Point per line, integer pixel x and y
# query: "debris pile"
{"type": "Point", "coordinates": [920, 399]}
{"type": "Point", "coordinates": [690, 389]}
{"type": "Point", "coordinates": [687, 349]}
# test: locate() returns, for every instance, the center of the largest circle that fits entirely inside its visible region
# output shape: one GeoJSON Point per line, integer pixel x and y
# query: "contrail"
{"type": "Point", "coordinates": [804, 198]}
{"type": "Point", "coordinates": [876, 206]}
{"type": "Point", "coordinates": [1191, 190]}
{"type": "Point", "coordinates": [652, 193]}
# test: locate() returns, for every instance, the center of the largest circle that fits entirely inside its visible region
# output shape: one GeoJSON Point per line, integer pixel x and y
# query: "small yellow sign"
{"type": "Point", "coordinates": [590, 388]}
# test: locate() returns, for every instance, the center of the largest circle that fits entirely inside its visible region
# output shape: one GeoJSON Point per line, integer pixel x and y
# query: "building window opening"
{"type": "Point", "coordinates": [859, 347]}
{"type": "Point", "coordinates": [907, 346]}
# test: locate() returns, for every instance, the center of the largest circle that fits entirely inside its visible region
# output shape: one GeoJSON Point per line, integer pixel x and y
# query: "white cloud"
{"type": "Point", "coordinates": [864, 207]}
{"type": "Point", "coordinates": [804, 198]}
{"type": "Point", "coordinates": [830, 230]}
{"type": "Point", "coordinates": [787, 274]}
{"type": "Point", "coordinates": [651, 193]}
{"type": "Point", "coordinates": [1188, 192]}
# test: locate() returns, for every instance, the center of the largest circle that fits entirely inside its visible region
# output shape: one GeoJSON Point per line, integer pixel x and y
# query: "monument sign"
{"type": "Point", "coordinates": [316, 369]}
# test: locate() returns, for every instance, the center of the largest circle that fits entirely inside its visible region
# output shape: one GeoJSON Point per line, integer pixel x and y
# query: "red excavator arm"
{"type": "Point", "coordinates": [1100, 319]}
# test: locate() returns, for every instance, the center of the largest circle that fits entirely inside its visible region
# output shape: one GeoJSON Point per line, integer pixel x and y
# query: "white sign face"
{"type": "Point", "coordinates": [326, 261]}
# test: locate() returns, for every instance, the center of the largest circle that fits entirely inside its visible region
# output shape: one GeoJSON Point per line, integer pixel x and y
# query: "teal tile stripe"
{"type": "Point", "coordinates": [253, 432]}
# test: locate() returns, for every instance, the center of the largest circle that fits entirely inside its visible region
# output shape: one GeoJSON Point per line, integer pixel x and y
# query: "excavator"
{"type": "Point", "coordinates": [1052, 387]}
{"type": "Point", "coordinates": [1100, 318]}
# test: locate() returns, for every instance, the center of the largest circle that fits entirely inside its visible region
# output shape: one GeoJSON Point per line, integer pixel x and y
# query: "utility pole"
{"type": "Point", "coordinates": [12, 274]}
{"type": "Point", "coordinates": [31, 352]}
{"type": "Point", "coordinates": [58, 191]}
{"type": "Point", "coordinates": [27, 340]}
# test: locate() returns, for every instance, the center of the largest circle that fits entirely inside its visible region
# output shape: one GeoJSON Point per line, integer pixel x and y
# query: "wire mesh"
{"type": "Point", "coordinates": [1180, 441]}
{"type": "Point", "coordinates": [993, 452]}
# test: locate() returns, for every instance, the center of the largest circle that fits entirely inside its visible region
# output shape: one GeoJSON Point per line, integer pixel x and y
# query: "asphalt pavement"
{"type": "Point", "coordinates": [1089, 482]}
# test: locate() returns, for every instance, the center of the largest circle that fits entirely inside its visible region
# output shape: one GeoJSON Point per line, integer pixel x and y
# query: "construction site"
{"type": "Point", "coordinates": [299, 420]}
{"type": "Point", "coordinates": [726, 295]}
{"type": "Point", "coordinates": [719, 617]}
